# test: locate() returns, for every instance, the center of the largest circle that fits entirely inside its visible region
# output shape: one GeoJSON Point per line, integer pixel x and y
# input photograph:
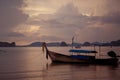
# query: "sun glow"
{"type": "Point", "coordinates": [27, 29]}
{"type": "Point", "coordinates": [33, 29]}
{"type": "Point", "coordinates": [87, 14]}
{"type": "Point", "coordinates": [35, 11]}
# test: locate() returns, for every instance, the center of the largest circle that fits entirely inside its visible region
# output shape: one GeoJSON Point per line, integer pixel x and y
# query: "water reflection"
{"type": "Point", "coordinates": [81, 72]}
{"type": "Point", "coordinates": [31, 64]}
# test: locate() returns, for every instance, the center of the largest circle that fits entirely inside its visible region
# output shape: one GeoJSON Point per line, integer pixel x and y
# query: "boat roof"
{"type": "Point", "coordinates": [82, 51]}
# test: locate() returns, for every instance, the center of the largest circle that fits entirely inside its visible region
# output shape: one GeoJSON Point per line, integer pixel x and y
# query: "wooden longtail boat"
{"type": "Point", "coordinates": [58, 57]}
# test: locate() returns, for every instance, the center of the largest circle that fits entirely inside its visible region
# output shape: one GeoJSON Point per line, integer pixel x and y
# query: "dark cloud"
{"type": "Point", "coordinates": [71, 21]}
{"type": "Point", "coordinates": [112, 6]}
{"type": "Point", "coordinates": [11, 15]}
{"type": "Point", "coordinates": [14, 34]}
{"type": "Point", "coordinates": [66, 16]}
{"type": "Point", "coordinates": [111, 13]}
{"type": "Point", "coordinates": [111, 18]}
{"type": "Point", "coordinates": [68, 10]}
{"type": "Point", "coordinates": [69, 16]}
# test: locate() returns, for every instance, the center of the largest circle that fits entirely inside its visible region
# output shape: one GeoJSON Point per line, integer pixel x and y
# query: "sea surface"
{"type": "Point", "coordinates": [30, 63]}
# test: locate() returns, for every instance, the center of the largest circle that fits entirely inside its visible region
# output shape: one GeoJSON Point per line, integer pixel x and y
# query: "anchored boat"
{"type": "Point", "coordinates": [89, 59]}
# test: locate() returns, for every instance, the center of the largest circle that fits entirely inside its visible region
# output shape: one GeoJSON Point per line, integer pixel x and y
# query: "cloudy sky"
{"type": "Point", "coordinates": [26, 21]}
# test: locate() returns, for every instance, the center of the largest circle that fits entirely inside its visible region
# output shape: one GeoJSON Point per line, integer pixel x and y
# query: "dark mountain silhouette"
{"type": "Point", "coordinates": [115, 43]}
{"type": "Point", "coordinates": [7, 44]}
{"type": "Point", "coordinates": [39, 44]}
{"type": "Point", "coordinates": [35, 44]}
{"type": "Point", "coordinates": [63, 43]}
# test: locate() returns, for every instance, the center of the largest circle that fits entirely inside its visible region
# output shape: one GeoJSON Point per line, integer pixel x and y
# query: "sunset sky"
{"type": "Point", "coordinates": [26, 21]}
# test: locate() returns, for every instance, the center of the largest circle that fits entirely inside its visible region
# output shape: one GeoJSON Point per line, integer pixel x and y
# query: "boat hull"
{"type": "Point", "coordinates": [61, 58]}
{"type": "Point", "coordinates": [58, 57]}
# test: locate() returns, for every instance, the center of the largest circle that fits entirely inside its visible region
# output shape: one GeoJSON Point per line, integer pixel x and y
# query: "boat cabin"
{"type": "Point", "coordinates": [83, 54]}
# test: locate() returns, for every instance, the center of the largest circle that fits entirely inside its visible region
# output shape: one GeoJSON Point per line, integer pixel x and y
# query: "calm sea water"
{"type": "Point", "coordinates": [29, 63]}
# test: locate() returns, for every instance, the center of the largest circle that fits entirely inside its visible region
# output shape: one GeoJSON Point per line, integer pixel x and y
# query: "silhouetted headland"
{"type": "Point", "coordinates": [7, 44]}
{"type": "Point", "coordinates": [62, 44]}
{"type": "Point", "coordinates": [39, 44]}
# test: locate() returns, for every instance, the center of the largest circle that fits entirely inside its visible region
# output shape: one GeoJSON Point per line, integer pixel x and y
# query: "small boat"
{"type": "Point", "coordinates": [78, 46]}
{"type": "Point", "coordinates": [89, 59]}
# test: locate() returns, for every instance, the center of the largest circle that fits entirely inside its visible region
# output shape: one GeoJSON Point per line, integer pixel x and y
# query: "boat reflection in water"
{"type": "Point", "coordinates": [66, 71]}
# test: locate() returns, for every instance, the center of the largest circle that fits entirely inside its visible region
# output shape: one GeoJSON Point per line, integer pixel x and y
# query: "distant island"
{"type": "Point", "coordinates": [61, 44]}
{"type": "Point", "coordinates": [7, 44]}
{"type": "Point", "coordinates": [112, 43]}
{"type": "Point", "coordinates": [39, 44]}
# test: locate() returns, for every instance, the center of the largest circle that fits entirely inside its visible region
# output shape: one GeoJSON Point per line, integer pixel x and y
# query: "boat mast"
{"type": "Point", "coordinates": [72, 41]}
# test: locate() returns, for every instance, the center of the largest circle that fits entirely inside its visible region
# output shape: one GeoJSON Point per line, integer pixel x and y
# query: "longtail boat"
{"type": "Point", "coordinates": [89, 59]}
